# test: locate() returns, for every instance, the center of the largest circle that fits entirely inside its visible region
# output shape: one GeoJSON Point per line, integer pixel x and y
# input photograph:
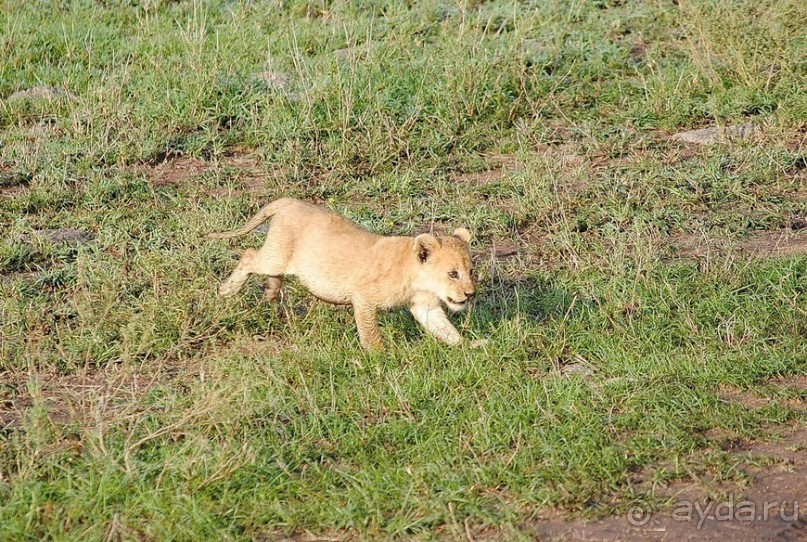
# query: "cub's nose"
{"type": "Point", "coordinates": [470, 295]}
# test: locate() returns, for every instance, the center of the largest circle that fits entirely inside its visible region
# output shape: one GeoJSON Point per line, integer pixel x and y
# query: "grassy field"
{"type": "Point", "coordinates": [632, 286]}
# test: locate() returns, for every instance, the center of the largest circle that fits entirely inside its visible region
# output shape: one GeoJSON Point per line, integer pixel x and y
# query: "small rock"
{"type": "Point", "coordinates": [61, 235]}
{"type": "Point", "coordinates": [505, 251]}
{"type": "Point", "coordinates": [717, 134]}
{"type": "Point", "coordinates": [44, 92]}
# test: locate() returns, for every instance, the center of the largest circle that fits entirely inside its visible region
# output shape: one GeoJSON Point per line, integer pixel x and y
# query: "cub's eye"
{"type": "Point", "coordinates": [454, 275]}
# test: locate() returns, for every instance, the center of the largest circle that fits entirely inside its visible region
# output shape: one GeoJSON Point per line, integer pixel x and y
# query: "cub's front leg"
{"type": "Point", "coordinates": [367, 324]}
{"type": "Point", "coordinates": [434, 319]}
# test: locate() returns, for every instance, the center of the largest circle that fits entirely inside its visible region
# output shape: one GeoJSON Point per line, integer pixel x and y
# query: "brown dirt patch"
{"type": "Point", "coordinates": [639, 50]}
{"type": "Point", "coordinates": [436, 227]}
{"type": "Point", "coordinates": [766, 509]}
{"type": "Point", "coordinates": [566, 154]}
{"type": "Point", "coordinates": [772, 244]}
{"type": "Point", "coordinates": [795, 383]}
{"type": "Point", "coordinates": [251, 173]}
{"type": "Point", "coordinates": [71, 398]}
{"type": "Point", "coordinates": [761, 245]}
{"type": "Point", "coordinates": [798, 382]}
{"type": "Point", "coordinates": [11, 191]}
{"type": "Point", "coordinates": [43, 92]}
{"type": "Point", "coordinates": [499, 166]}
{"type": "Point", "coordinates": [718, 134]}
{"type": "Point", "coordinates": [12, 183]}
{"type": "Point", "coordinates": [746, 398]}
{"type": "Point", "coordinates": [504, 250]}
{"type": "Point", "coordinates": [178, 170]}
{"type": "Point", "coordinates": [479, 178]}
{"type": "Point", "coordinates": [572, 188]}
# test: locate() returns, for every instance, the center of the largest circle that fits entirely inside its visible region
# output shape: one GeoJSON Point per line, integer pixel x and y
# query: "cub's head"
{"type": "Point", "coordinates": [445, 267]}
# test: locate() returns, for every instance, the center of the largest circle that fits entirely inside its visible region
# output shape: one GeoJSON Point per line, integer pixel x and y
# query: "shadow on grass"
{"type": "Point", "coordinates": [532, 299]}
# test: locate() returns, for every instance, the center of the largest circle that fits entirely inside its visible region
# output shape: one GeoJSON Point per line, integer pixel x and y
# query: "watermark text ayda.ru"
{"type": "Point", "coordinates": [730, 510]}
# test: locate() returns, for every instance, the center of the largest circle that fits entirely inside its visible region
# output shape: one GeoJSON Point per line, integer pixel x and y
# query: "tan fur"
{"type": "Point", "coordinates": [342, 263]}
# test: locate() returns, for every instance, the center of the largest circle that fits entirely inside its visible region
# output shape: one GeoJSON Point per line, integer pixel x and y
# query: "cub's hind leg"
{"type": "Point", "coordinates": [272, 260]}
{"type": "Point", "coordinates": [269, 260]}
{"type": "Point", "coordinates": [271, 289]}
{"type": "Point", "coordinates": [240, 274]}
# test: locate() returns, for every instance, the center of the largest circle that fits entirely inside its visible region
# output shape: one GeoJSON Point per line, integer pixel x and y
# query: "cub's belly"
{"type": "Point", "coordinates": [325, 289]}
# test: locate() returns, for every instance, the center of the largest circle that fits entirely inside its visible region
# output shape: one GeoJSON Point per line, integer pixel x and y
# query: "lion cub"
{"type": "Point", "coordinates": [342, 263]}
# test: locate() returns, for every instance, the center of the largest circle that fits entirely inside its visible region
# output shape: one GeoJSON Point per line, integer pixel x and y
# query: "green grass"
{"type": "Point", "coordinates": [146, 408]}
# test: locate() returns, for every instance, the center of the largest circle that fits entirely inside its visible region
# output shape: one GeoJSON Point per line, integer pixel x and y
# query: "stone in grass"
{"type": "Point", "coordinates": [501, 252]}
{"type": "Point", "coordinates": [60, 235]}
{"type": "Point", "coordinates": [43, 92]}
{"type": "Point", "coordinates": [717, 134]}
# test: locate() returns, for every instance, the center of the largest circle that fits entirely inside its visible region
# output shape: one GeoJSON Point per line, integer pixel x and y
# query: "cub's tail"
{"type": "Point", "coordinates": [254, 222]}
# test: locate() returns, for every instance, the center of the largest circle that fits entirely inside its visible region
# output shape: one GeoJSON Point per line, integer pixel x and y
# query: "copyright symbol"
{"type": "Point", "coordinates": [639, 515]}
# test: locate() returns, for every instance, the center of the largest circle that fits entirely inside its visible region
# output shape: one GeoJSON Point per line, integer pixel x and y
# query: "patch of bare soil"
{"type": "Point", "coordinates": [748, 399]}
{"type": "Point", "coordinates": [717, 134]}
{"type": "Point", "coordinates": [566, 154]}
{"type": "Point", "coordinates": [798, 382]}
{"type": "Point", "coordinates": [760, 245]}
{"type": "Point", "coordinates": [177, 170]}
{"type": "Point", "coordinates": [771, 244]}
{"type": "Point", "coordinates": [12, 183]}
{"type": "Point", "coordinates": [505, 250]}
{"type": "Point", "coordinates": [71, 398]}
{"type": "Point", "coordinates": [499, 166]}
{"type": "Point", "coordinates": [67, 236]}
{"type": "Point", "coordinates": [435, 227]}
{"type": "Point", "coordinates": [772, 507]}
{"type": "Point", "coordinates": [479, 178]}
{"type": "Point", "coordinates": [252, 176]}
{"type": "Point", "coordinates": [44, 92]}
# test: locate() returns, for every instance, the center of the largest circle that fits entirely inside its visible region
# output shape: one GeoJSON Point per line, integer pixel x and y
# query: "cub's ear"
{"type": "Point", "coordinates": [425, 244]}
{"type": "Point", "coordinates": [463, 235]}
